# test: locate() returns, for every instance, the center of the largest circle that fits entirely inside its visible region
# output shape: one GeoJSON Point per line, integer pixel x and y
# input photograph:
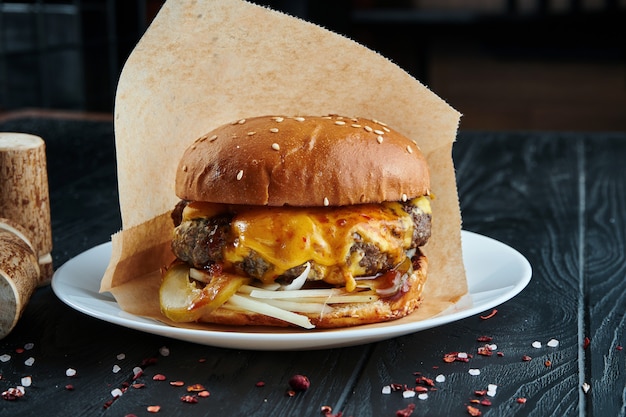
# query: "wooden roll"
{"type": "Point", "coordinates": [19, 276]}
{"type": "Point", "coordinates": [24, 196]}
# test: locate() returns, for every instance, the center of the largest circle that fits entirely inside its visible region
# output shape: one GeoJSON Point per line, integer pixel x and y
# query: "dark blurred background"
{"type": "Point", "coordinates": [505, 64]}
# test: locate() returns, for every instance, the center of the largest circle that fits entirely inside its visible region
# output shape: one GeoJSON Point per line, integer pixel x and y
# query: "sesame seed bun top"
{"type": "Point", "coordinates": [302, 161]}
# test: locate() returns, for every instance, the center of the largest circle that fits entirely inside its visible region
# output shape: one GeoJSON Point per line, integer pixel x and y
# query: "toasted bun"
{"type": "Point", "coordinates": [349, 314]}
{"type": "Point", "coordinates": [302, 161]}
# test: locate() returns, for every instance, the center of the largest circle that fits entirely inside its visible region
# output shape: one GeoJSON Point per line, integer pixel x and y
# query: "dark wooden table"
{"type": "Point", "coordinates": [558, 198]}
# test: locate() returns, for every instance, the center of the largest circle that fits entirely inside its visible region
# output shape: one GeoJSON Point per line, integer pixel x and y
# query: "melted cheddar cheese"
{"type": "Point", "coordinates": [287, 237]}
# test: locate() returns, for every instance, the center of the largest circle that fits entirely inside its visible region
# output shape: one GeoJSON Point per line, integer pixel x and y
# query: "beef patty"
{"type": "Point", "coordinates": [200, 243]}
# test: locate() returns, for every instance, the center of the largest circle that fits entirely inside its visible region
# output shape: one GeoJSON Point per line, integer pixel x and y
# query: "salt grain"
{"type": "Point", "coordinates": [116, 369]}
{"type": "Point", "coordinates": [386, 389]}
{"type": "Point", "coordinates": [491, 390]}
{"type": "Point", "coordinates": [553, 343]}
{"type": "Point", "coordinates": [423, 396]}
{"type": "Point", "coordinates": [30, 361]}
{"type": "Point", "coordinates": [408, 394]}
{"type": "Point", "coordinates": [121, 357]}
{"type": "Point", "coordinates": [117, 392]}
{"type": "Point", "coordinates": [27, 381]}
{"type": "Point", "coordinates": [137, 371]}
{"type": "Point", "coordinates": [29, 346]}
{"type": "Point", "coordinates": [474, 371]}
{"type": "Point", "coordinates": [5, 358]}
{"type": "Point", "coordinates": [536, 344]}
{"type": "Point", "coordinates": [70, 372]}
{"type": "Point", "coordinates": [440, 378]}
{"type": "Point", "coordinates": [164, 351]}
{"type": "Point", "coordinates": [462, 355]}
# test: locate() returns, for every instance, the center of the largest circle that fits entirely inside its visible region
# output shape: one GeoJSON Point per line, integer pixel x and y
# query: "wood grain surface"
{"type": "Point", "coordinates": [558, 198]}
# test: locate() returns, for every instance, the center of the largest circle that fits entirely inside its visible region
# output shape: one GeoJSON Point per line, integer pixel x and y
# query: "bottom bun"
{"type": "Point", "coordinates": [381, 310]}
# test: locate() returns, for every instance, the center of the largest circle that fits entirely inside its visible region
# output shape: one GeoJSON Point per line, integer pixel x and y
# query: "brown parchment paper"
{"type": "Point", "coordinates": [205, 63]}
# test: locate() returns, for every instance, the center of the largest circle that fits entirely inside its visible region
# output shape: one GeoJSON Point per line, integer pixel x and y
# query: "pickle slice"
{"type": "Point", "coordinates": [184, 300]}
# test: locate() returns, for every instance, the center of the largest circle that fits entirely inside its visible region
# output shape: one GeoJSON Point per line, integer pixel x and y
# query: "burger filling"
{"type": "Point", "coordinates": [345, 252]}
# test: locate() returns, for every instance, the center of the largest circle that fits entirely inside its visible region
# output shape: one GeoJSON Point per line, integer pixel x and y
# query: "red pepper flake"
{"type": "Point", "coordinates": [204, 394]}
{"type": "Point", "coordinates": [396, 387]}
{"type": "Point", "coordinates": [19, 350]}
{"type": "Point", "coordinates": [326, 409]}
{"type": "Point", "coordinates": [475, 401]}
{"type": "Point", "coordinates": [618, 347]}
{"type": "Point", "coordinates": [159, 377]}
{"type": "Point", "coordinates": [485, 402]}
{"type": "Point", "coordinates": [586, 342]}
{"type": "Point", "coordinates": [484, 339]}
{"type": "Point", "coordinates": [420, 389]}
{"type": "Point", "coordinates": [202, 360]}
{"type": "Point", "coordinates": [547, 363]}
{"type": "Point", "coordinates": [406, 412]}
{"type": "Point", "coordinates": [521, 400]}
{"type": "Point", "coordinates": [153, 408]}
{"type": "Point", "coordinates": [473, 411]}
{"type": "Point", "coordinates": [526, 358]}
{"type": "Point", "coordinates": [426, 381]}
{"type": "Point", "coordinates": [110, 402]}
{"type": "Point", "coordinates": [480, 393]}
{"type": "Point", "coordinates": [500, 354]}
{"type": "Point", "coordinates": [485, 350]}
{"type": "Point", "coordinates": [69, 387]}
{"type": "Point", "coordinates": [190, 399]}
{"type": "Point", "coordinates": [456, 356]}
{"type": "Point", "coordinates": [291, 393]}
{"type": "Point", "coordinates": [138, 385]}
{"type": "Point", "coordinates": [195, 388]}
{"type": "Point", "coordinates": [12, 394]}
{"type": "Point", "coordinates": [260, 384]}
{"type": "Point", "coordinates": [177, 383]}
{"type": "Point", "coordinates": [490, 315]}
{"type": "Point", "coordinates": [130, 415]}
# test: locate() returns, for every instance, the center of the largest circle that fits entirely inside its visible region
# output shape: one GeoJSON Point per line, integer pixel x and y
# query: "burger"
{"type": "Point", "coordinates": [310, 222]}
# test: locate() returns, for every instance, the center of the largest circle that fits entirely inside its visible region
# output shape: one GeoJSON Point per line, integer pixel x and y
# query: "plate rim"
{"type": "Point", "coordinates": [297, 340]}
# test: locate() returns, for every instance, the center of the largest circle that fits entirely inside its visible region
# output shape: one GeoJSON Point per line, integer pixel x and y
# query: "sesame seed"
{"type": "Point", "coordinates": [340, 122]}
{"type": "Point", "coordinates": [251, 133]}
{"type": "Point", "coordinates": [213, 138]}
{"type": "Point", "coordinates": [379, 132]}
{"type": "Point", "coordinates": [184, 168]}
{"type": "Point", "coordinates": [404, 197]}
{"type": "Point", "coordinates": [276, 146]}
{"type": "Point", "coordinates": [279, 119]}
{"type": "Point", "coordinates": [356, 125]}
{"type": "Point", "coordinates": [242, 121]}
{"type": "Point", "coordinates": [386, 129]}
{"type": "Point", "coordinates": [274, 130]}
{"type": "Point", "coordinates": [299, 119]}
{"type": "Point", "coordinates": [327, 117]}
{"type": "Point", "coordinates": [379, 139]}
{"type": "Point", "coordinates": [369, 129]}
{"type": "Point", "coordinates": [409, 149]}
{"type": "Point", "coordinates": [240, 174]}
{"type": "Point", "coordinates": [326, 202]}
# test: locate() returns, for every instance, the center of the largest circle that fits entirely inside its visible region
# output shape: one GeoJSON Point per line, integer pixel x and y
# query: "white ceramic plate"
{"type": "Point", "coordinates": [495, 274]}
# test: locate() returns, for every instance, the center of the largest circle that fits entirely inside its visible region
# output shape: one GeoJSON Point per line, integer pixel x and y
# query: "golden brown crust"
{"type": "Point", "coordinates": [302, 161]}
{"type": "Point", "coordinates": [345, 316]}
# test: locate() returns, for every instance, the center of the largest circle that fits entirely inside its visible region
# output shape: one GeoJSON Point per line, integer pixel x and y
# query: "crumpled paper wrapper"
{"type": "Point", "coordinates": [203, 64]}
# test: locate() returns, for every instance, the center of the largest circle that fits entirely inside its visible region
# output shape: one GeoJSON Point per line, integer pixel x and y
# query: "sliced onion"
{"type": "Point", "coordinates": [299, 281]}
{"type": "Point", "coordinates": [243, 302]}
